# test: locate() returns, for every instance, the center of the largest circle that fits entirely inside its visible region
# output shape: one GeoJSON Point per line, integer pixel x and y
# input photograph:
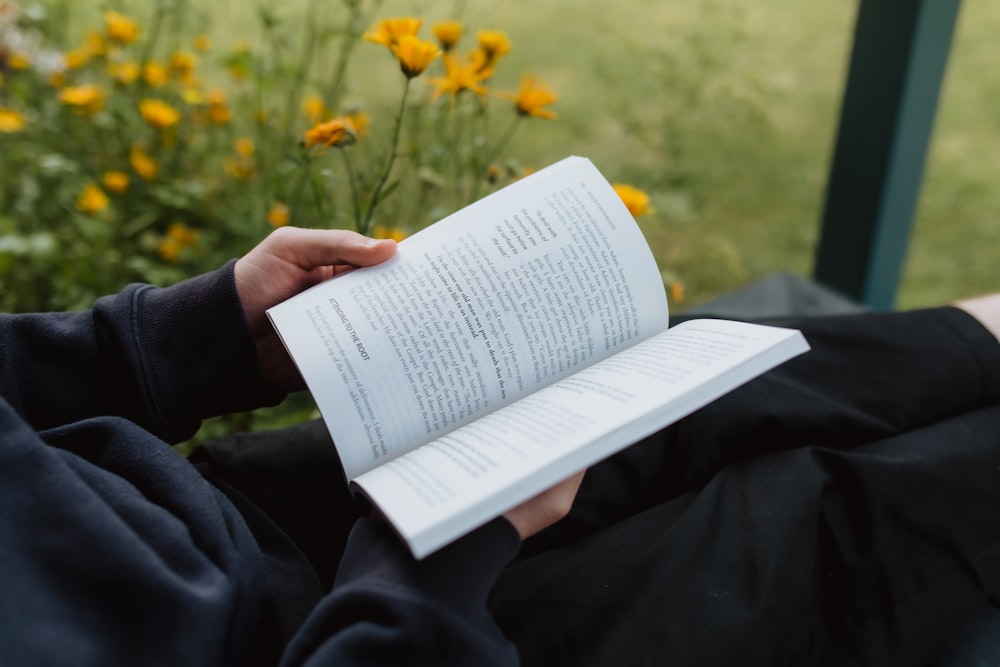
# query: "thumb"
{"type": "Point", "coordinates": [313, 248]}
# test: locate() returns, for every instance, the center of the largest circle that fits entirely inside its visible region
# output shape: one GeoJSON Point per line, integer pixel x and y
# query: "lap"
{"type": "Point", "coordinates": [294, 476]}
{"type": "Point", "coordinates": [819, 488]}
{"type": "Point", "coordinates": [867, 377]}
{"type": "Point", "coordinates": [805, 556]}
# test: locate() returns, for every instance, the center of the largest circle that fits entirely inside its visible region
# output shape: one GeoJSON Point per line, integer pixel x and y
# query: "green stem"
{"type": "Point", "coordinates": [266, 158]}
{"type": "Point", "coordinates": [304, 177]}
{"type": "Point", "coordinates": [351, 35]}
{"type": "Point", "coordinates": [456, 153]}
{"type": "Point", "coordinates": [171, 139]}
{"type": "Point", "coordinates": [304, 65]}
{"type": "Point", "coordinates": [420, 210]}
{"type": "Point", "coordinates": [390, 160]}
{"type": "Point", "coordinates": [177, 34]}
{"type": "Point", "coordinates": [318, 193]}
{"type": "Point", "coordinates": [495, 153]}
{"type": "Point", "coordinates": [147, 53]}
{"type": "Point", "coordinates": [355, 192]}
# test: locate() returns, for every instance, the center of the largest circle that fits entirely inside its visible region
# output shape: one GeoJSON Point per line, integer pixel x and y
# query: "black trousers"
{"type": "Point", "coordinates": [843, 509]}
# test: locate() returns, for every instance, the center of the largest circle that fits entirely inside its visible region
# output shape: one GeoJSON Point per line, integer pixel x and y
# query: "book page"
{"type": "Point", "coordinates": [459, 481]}
{"type": "Point", "coordinates": [522, 288]}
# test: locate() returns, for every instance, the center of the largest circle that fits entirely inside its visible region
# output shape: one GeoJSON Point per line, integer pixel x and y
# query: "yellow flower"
{"type": "Point", "coordinates": [19, 60]}
{"type": "Point", "coordinates": [116, 182]}
{"type": "Point", "coordinates": [414, 54]}
{"type": "Point", "coordinates": [458, 77]}
{"type": "Point", "coordinates": [447, 33]}
{"type": "Point", "coordinates": [178, 237]}
{"type": "Point", "coordinates": [120, 28]}
{"type": "Point", "coordinates": [192, 95]}
{"type": "Point", "coordinates": [359, 122]}
{"type": "Point", "coordinates": [11, 121]}
{"type": "Point", "coordinates": [336, 132]}
{"type": "Point", "coordinates": [244, 147]}
{"type": "Point", "coordinates": [278, 215]}
{"type": "Point", "coordinates": [123, 73]}
{"type": "Point", "coordinates": [155, 74]}
{"type": "Point", "coordinates": [94, 44]}
{"type": "Point", "coordinates": [142, 164]}
{"type": "Point", "coordinates": [159, 114]}
{"type": "Point", "coordinates": [383, 232]}
{"type": "Point", "coordinates": [482, 64]}
{"type": "Point", "coordinates": [635, 200]}
{"type": "Point", "coordinates": [494, 44]}
{"type": "Point", "coordinates": [239, 167]}
{"type": "Point", "coordinates": [218, 112]}
{"type": "Point", "coordinates": [87, 98]}
{"type": "Point", "coordinates": [75, 59]}
{"type": "Point", "coordinates": [314, 107]}
{"type": "Point", "coordinates": [532, 98]}
{"type": "Point", "coordinates": [202, 43]}
{"type": "Point", "coordinates": [170, 250]}
{"type": "Point", "coordinates": [91, 200]}
{"type": "Point", "coordinates": [677, 292]}
{"type": "Point", "coordinates": [388, 31]}
{"type": "Point", "coordinates": [239, 61]}
{"type": "Point", "coordinates": [183, 64]}
{"type": "Point", "coordinates": [182, 234]}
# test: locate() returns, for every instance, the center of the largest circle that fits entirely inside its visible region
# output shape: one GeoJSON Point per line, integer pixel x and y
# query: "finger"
{"type": "Point", "coordinates": [568, 488]}
{"type": "Point", "coordinates": [312, 248]}
{"type": "Point", "coordinates": [546, 508]}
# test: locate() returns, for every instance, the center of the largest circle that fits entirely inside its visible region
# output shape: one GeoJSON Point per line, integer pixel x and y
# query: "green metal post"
{"type": "Point", "coordinates": [897, 64]}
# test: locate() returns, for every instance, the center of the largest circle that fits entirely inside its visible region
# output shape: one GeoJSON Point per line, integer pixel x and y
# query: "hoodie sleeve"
{"type": "Point", "coordinates": [388, 609]}
{"type": "Point", "coordinates": [164, 358]}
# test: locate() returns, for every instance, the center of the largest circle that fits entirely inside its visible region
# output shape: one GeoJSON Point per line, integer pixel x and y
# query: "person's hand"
{"type": "Point", "coordinates": [546, 508]}
{"type": "Point", "coordinates": [285, 263]}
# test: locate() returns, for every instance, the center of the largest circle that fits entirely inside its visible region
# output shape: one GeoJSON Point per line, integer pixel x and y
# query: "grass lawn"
{"type": "Point", "coordinates": [956, 246]}
{"type": "Point", "coordinates": [725, 111]}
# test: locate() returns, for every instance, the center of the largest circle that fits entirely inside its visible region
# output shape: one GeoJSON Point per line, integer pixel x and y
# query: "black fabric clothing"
{"type": "Point", "coordinates": [114, 550]}
{"type": "Point", "coordinates": [840, 510]}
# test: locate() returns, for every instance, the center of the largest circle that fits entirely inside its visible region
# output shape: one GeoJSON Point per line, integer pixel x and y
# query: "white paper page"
{"type": "Point", "coordinates": [458, 482]}
{"type": "Point", "coordinates": [523, 287]}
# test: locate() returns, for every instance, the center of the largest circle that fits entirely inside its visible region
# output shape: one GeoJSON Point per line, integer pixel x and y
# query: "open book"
{"type": "Point", "coordinates": [505, 348]}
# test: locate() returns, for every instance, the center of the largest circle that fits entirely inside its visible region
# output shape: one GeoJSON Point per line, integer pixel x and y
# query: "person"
{"type": "Point", "coordinates": [838, 510]}
{"type": "Point", "coordinates": [117, 551]}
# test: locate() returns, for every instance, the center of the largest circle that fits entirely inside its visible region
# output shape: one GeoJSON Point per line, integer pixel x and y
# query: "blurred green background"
{"type": "Point", "coordinates": [724, 111]}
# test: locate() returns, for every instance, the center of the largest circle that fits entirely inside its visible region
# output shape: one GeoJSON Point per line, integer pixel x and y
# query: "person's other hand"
{"type": "Point", "coordinates": [289, 260]}
{"type": "Point", "coordinates": [546, 508]}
